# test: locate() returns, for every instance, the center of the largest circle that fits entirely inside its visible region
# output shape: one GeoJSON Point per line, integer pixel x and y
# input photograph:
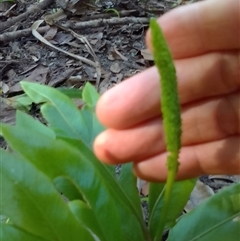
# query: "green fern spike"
{"type": "Point", "coordinates": [170, 109]}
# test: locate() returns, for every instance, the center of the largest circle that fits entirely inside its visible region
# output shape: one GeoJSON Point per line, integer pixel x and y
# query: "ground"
{"type": "Point", "coordinates": [114, 46]}
{"type": "Point", "coordinates": [103, 42]}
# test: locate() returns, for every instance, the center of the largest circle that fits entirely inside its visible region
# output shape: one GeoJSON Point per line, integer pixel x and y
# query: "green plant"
{"type": "Point", "coordinates": [170, 109]}
{"type": "Point", "coordinates": [112, 10]}
{"type": "Point", "coordinates": [53, 187]}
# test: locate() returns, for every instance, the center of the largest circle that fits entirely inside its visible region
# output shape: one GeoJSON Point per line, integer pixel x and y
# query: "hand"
{"type": "Point", "coordinates": [204, 39]}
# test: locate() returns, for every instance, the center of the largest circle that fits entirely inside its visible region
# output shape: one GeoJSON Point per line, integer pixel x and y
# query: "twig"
{"type": "Point", "coordinates": [30, 11]}
{"type": "Point", "coordinates": [9, 36]}
{"type": "Point", "coordinates": [170, 1]}
{"type": "Point", "coordinates": [8, 11]}
{"type": "Point", "coordinates": [102, 22]}
{"type": "Point", "coordinates": [123, 13]}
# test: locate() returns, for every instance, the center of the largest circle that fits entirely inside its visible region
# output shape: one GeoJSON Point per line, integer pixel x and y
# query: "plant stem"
{"type": "Point", "coordinates": [167, 195]}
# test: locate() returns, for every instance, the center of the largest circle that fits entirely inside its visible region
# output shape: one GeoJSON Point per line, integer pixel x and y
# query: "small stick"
{"type": "Point", "coordinates": [103, 22]}
{"type": "Point", "coordinates": [35, 8]}
{"type": "Point", "coordinates": [123, 13]}
{"type": "Point", "coordinates": [9, 36]}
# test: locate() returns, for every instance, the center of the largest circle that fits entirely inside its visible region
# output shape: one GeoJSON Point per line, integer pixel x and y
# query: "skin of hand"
{"type": "Point", "coordinates": [204, 39]}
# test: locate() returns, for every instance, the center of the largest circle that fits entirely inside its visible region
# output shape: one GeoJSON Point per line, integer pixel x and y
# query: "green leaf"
{"type": "Point", "coordinates": [72, 93]}
{"type": "Point", "coordinates": [216, 219]}
{"type": "Point", "coordinates": [67, 188]}
{"type": "Point", "coordinates": [64, 128]}
{"type": "Point", "coordinates": [26, 121]}
{"type": "Point", "coordinates": [155, 193]}
{"type": "Point", "coordinates": [31, 201]}
{"type": "Point", "coordinates": [179, 197]}
{"type": "Point", "coordinates": [95, 128]}
{"type": "Point", "coordinates": [21, 102]}
{"type": "Point", "coordinates": [87, 218]}
{"type": "Point", "coordinates": [128, 182]}
{"type": "Point", "coordinates": [99, 188]}
{"type": "Point", "coordinates": [63, 115]}
{"type": "Point", "coordinates": [92, 123]}
{"type": "Point", "coordinates": [90, 95]}
{"type": "Point", "coordinates": [10, 233]}
{"type": "Point", "coordinates": [59, 111]}
{"type": "Point", "coordinates": [112, 10]}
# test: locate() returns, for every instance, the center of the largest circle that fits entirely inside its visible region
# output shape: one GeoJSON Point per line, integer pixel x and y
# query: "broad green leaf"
{"type": "Point", "coordinates": [31, 201]}
{"type": "Point", "coordinates": [65, 128]}
{"type": "Point", "coordinates": [63, 115]}
{"type": "Point", "coordinates": [179, 197]}
{"type": "Point", "coordinates": [3, 219]}
{"type": "Point", "coordinates": [87, 218]}
{"type": "Point", "coordinates": [11, 233]}
{"type": "Point", "coordinates": [216, 219]}
{"type": "Point", "coordinates": [67, 188]}
{"type": "Point", "coordinates": [155, 190]}
{"type": "Point", "coordinates": [21, 102]}
{"type": "Point", "coordinates": [72, 93]}
{"type": "Point", "coordinates": [26, 121]}
{"type": "Point", "coordinates": [94, 126]}
{"type": "Point", "coordinates": [59, 111]}
{"type": "Point", "coordinates": [90, 95]}
{"type": "Point", "coordinates": [99, 188]}
{"type": "Point", "coordinates": [128, 182]}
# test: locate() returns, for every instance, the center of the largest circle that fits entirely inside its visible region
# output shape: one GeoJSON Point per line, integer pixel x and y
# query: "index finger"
{"type": "Point", "coordinates": [202, 27]}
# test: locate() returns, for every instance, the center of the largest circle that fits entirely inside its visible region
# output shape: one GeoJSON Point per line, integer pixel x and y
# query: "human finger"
{"type": "Point", "coordinates": [218, 157]}
{"type": "Point", "coordinates": [137, 99]}
{"type": "Point", "coordinates": [196, 29]}
{"type": "Point", "coordinates": [203, 121]}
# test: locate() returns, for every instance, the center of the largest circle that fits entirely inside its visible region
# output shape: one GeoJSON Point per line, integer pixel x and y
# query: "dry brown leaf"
{"type": "Point", "coordinates": [7, 113]}
{"type": "Point", "coordinates": [61, 75]}
{"type": "Point", "coordinates": [10, 75]}
{"type": "Point", "coordinates": [39, 75]}
{"type": "Point", "coordinates": [51, 33]}
{"type": "Point", "coordinates": [236, 178]}
{"type": "Point", "coordinates": [93, 41]}
{"type": "Point", "coordinates": [117, 79]}
{"type": "Point", "coordinates": [145, 189]}
{"type": "Point", "coordinates": [147, 55]}
{"type": "Point", "coordinates": [200, 192]}
{"type": "Point", "coordinates": [90, 72]}
{"type": "Point", "coordinates": [111, 57]}
{"type": "Point", "coordinates": [4, 88]}
{"type": "Point", "coordinates": [105, 83]}
{"type": "Point", "coordinates": [120, 55]}
{"type": "Point", "coordinates": [63, 38]}
{"type": "Point", "coordinates": [115, 68]}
